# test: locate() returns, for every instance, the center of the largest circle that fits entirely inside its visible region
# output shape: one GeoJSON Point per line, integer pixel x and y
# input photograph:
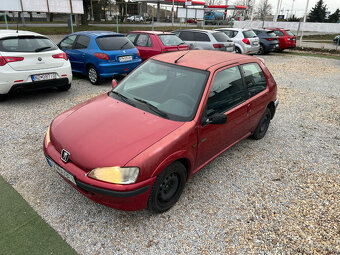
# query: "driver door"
{"type": "Point", "coordinates": [228, 96]}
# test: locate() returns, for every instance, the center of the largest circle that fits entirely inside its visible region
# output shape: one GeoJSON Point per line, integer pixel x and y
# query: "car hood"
{"type": "Point", "coordinates": [106, 132]}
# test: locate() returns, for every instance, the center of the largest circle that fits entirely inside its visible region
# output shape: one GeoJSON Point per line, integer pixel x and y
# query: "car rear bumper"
{"type": "Point", "coordinates": [11, 80]}
{"type": "Point", "coordinates": [115, 68]}
{"type": "Point", "coordinates": [130, 197]}
{"type": "Point", "coordinates": [251, 49]}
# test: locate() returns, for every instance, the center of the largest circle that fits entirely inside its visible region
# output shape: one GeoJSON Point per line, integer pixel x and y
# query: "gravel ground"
{"type": "Point", "coordinates": [278, 195]}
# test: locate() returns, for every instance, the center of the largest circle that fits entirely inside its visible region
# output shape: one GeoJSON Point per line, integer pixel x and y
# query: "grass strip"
{"type": "Point", "coordinates": [23, 231]}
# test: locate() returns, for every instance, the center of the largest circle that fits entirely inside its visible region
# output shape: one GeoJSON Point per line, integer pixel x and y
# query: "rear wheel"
{"type": "Point", "coordinates": [263, 125]}
{"type": "Point", "coordinates": [261, 50]}
{"type": "Point", "coordinates": [3, 97]}
{"type": "Point", "coordinates": [94, 76]}
{"type": "Point", "coordinates": [167, 188]}
{"type": "Point", "coordinates": [237, 50]}
{"type": "Point", "coordinates": [64, 88]}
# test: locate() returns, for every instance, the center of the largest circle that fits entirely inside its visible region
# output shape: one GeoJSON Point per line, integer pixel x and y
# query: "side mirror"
{"type": "Point", "coordinates": [114, 83]}
{"type": "Point", "coordinates": [217, 118]}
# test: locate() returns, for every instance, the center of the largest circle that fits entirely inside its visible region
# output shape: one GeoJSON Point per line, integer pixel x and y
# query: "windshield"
{"type": "Point", "coordinates": [109, 43]}
{"type": "Point", "coordinates": [26, 44]}
{"type": "Point", "coordinates": [170, 40]}
{"type": "Point", "coordinates": [166, 90]}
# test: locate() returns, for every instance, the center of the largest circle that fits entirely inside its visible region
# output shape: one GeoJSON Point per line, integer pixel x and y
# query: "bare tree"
{"type": "Point", "coordinates": [263, 9]}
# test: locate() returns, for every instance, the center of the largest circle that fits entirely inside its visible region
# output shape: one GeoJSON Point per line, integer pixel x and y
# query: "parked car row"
{"type": "Point", "coordinates": [103, 54]}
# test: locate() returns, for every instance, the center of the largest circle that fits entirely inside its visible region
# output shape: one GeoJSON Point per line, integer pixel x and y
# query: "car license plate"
{"type": "Point", "coordinates": [61, 171]}
{"type": "Point", "coordinates": [255, 43]}
{"type": "Point", "coordinates": [125, 58]}
{"type": "Point", "coordinates": [44, 76]}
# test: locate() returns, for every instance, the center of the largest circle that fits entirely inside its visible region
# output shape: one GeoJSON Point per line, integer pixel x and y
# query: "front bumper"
{"type": "Point", "coordinates": [129, 197]}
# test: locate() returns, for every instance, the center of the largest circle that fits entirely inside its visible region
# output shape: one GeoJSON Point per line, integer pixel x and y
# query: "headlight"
{"type": "Point", "coordinates": [47, 137]}
{"type": "Point", "coordinates": [116, 174]}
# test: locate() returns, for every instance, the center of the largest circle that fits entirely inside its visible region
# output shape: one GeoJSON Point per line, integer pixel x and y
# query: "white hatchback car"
{"type": "Point", "coordinates": [30, 61]}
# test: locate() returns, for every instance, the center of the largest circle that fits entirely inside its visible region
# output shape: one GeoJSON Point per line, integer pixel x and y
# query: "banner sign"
{"type": "Point", "coordinates": [55, 6]}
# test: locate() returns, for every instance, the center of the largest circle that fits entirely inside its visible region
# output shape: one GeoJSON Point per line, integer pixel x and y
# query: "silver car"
{"type": "Point", "coordinates": [246, 41]}
{"type": "Point", "coordinates": [199, 39]}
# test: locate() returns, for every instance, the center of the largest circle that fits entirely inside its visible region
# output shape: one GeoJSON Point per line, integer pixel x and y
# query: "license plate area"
{"type": "Point", "coordinates": [255, 43]}
{"type": "Point", "coordinates": [44, 76]}
{"type": "Point", "coordinates": [61, 171]}
{"type": "Point", "coordinates": [125, 58]}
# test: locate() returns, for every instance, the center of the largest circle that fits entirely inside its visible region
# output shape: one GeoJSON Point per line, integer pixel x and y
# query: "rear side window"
{"type": "Point", "coordinates": [249, 34]}
{"type": "Point", "coordinates": [289, 33]}
{"type": "Point", "coordinates": [187, 36]}
{"type": "Point", "coordinates": [132, 37]}
{"type": "Point", "coordinates": [254, 77]}
{"type": "Point", "coordinates": [278, 33]}
{"type": "Point", "coordinates": [227, 91]}
{"type": "Point", "coordinates": [143, 41]}
{"type": "Point", "coordinates": [220, 37]}
{"type": "Point", "coordinates": [82, 42]}
{"type": "Point", "coordinates": [170, 40]}
{"type": "Point", "coordinates": [230, 33]}
{"type": "Point", "coordinates": [108, 43]}
{"type": "Point", "coordinates": [26, 44]}
{"type": "Point", "coordinates": [201, 37]}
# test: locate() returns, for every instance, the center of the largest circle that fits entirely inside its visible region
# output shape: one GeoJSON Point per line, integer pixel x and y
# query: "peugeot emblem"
{"type": "Point", "coordinates": [65, 155]}
{"type": "Point", "coordinates": [39, 58]}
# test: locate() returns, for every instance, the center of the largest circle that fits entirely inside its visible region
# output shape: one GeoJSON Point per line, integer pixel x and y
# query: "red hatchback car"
{"type": "Point", "coordinates": [135, 146]}
{"type": "Point", "coordinates": [287, 39]}
{"type": "Point", "coordinates": [151, 43]}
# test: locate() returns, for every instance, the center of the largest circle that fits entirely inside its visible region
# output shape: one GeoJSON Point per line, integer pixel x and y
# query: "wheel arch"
{"type": "Point", "coordinates": [271, 107]}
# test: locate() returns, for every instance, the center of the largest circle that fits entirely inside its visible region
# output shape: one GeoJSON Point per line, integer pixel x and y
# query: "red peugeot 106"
{"type": "Point", "coordinates": [136, 146]}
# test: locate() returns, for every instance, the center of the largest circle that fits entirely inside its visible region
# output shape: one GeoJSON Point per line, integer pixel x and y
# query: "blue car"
{"type": "Point", "coordinates": [100, 54]}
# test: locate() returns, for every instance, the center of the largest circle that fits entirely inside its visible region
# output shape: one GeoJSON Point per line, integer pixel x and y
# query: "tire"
{"type": "Point", "coordinates": [64, 88]}
{"type": "Point", "coordinates": [93, 75]}
{"type": "Point", "coordinates": [167, 188]}
{"type": "Point", "coordinates": [237, 50]}
{"type": "Point", "coordinates": [263, 125]}
{"type": "Point", "coordinates": [261, 50]}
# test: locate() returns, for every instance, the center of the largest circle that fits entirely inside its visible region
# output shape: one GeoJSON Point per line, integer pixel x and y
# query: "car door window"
{"type": "Point", "coordinates": [132, 37]}
{"type": "Point", "coordinates": [143, 41]}
{"type": "Point", "coordinates": [68, 42]}
{"type": "Point", "coordinates": [187, 36]}
{"type": "Point", "coordinates": [279, 33]}
{"type": "Point", "coordinates": [254, 77]}
{"type": "Point", "coordinates": [227, 91]}
{"type": "Point", "coordinates": [82, 42]}
{"type": "Point", "coordinates": [201, 37]}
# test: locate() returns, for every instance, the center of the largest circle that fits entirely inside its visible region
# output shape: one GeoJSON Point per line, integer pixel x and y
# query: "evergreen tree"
{"type": "Point", "coordinates": [318, 12]}
{"type": "Point", "coordinates": [335, 17]}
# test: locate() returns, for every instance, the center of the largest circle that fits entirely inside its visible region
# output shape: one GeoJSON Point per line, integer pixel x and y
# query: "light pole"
{"type": "Point", "coordinates": [172, 12]}
{"type": "Point", "coordinates": [304, 20]}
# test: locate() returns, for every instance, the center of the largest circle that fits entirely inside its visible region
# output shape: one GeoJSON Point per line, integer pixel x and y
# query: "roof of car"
{"type": "Point", "coordinates": [153, 32]}
{"type": "Point", "coordinates": [233, 29]}
{"type": "Point", "coordinates": [261, 29]}
{"type": "Point", "coordinates": [197, 30]}
{"type": "Point", "coordinates": [201, 59]}
{"type": "Point", "coordinates": [11, 32]}
{"type": "Point", "coordinates": [97, 33]}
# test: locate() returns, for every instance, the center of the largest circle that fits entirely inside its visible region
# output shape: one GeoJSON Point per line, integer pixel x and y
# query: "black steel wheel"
{"type": "Point", "coordinates": [263, 125]}
{"type": "Point", "coordinates": [237, 50]}
{"type": "Point", "coordinates": [167, 188]}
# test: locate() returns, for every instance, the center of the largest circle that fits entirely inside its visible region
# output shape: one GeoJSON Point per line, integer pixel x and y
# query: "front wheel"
{"type": "Point", "coordinates": [263, 125]}
{"type": "Point", "coordinates": [167, 188]}
{"type": "Point", "coordinates": [93, 75]}
{"type": "Point", "coordinates": [237, 50]}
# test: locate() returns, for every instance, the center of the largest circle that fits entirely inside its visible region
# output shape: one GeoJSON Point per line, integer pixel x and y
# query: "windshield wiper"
{"type": "Point", "coordinates": [42, 48]}
{"type": "Point", "coordinates": [125, 99]}
{"type": "Point", "coordinates": [153, 108]}
{"type": "Point", "coordinates": [180, 43]}
{"type": "Point", "coordinates": [124, 44]}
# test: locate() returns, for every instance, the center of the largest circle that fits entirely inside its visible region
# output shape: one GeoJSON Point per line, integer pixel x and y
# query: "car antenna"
{"type": "Point", "coordinates": [181, 56]}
